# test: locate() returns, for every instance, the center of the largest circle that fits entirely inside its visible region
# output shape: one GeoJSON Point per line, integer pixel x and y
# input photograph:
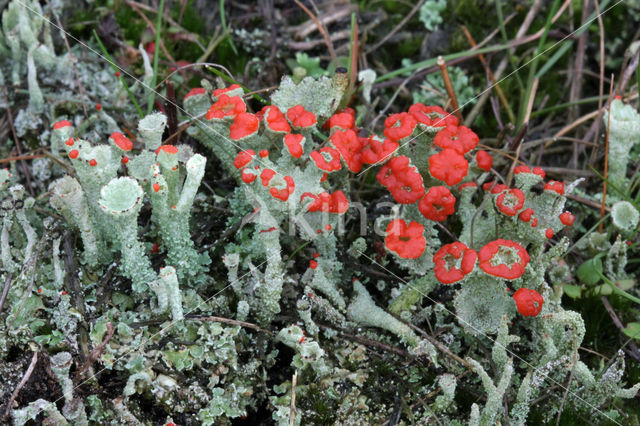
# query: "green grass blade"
{"type": "Point", "coordinates": [555, 58]}
{"type": "Point", "coordinates": [223, 21]}
{"type": "Point", "coordinates": [115, 69]}
{"type": "Point", "coordinates": [431, 62]}
{"type": "Point", "coordinates": [533, 64]}
{"type": "Point", "coordinates": [156, 55]}
{"type": "Point", "coordinates": [232, 81]}
{"type": "Point", "coordinates": [505, 39]}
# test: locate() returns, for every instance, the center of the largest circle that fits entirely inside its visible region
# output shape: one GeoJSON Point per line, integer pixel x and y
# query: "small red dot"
{"type": "Point", "coordinates": [548, 233]}
{"type": "Point", "coordinates": [316, 255]}
{"type": "Point", "coordinates": [263, 153]}
{"type": "Point", "coordinates": [155, 248]}
{"type": "Point", "coordinates": [125, 160]}
{"type": "Point", "coordinates": [328, 227]}
{"type": "Point", "coordinates": [117, 73]}
{"type": "Point", "coordinates": [74, 154]}
{"type": "Point", "coordinates": [92, 162]}
{"type": "Point", "coordinates": [69, 142]}
{"type": "Point", "coordinates": [39, 290]}
{"type": "Point", "coordinates": [98, 107]}
{"type": "Point", "coordinates": [156, 187]}
{"type": "Point", "coordinates": [313, 264]}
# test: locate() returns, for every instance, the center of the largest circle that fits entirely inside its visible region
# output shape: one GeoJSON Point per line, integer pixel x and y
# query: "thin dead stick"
{"type": "Point", "coordinates": [25, 379]}
{"type": "Point", "coordinates": [5, 291]}
{"type": "Point", "coordinates": [571, 126]}
{"type": "Point", "coordinates": [587, 202]}
{"type": "Point", "coordinates": [441, 347]}
{"type": "Point", "coordinates": [292, 408]}
{"type": "Point", "coordinates": [396, 28]}
{"type": "Point", "coordinates": [152, 27]}
{"type": "Point", "coordinates": [73, 59]}
{"type": "Point", "coordinates": [20, 158]}
{"type": "Point", "coordinates": [447, 84]}
{"type": "Point", "coordinates": [606, 161]}
{"type": "Point", "coordinates": [306, 28]}
{"type": "Point", "coordinates": [582, 348]}
{"type": "Point", "coordinates": [618, 324]}
{"type": "Point", "coordinates": [195, 64]}
{"type": "Point", "coordinates": [355, 51]}
{"type": "Point", "coordinates": [523, 130]}
{"type": "Point", "coordinates": [576, 82]}
{"type": "Point", "coordinates": [322, 30]}
{"type": "Point", "coordinates": [534, 89]}
{"type": "Point", "coordinates": [227, 321]}
{"type": "Point", "coordinates": [566, 390]}
{"type": "Point", "coordinates": [492, 77]}
{"type": "Point", "coordinates": [518, 140]}
{"type": "Point", "coordinates": [166, 15]}
{"type": "Point", "coordinates": [25, 169]}
{"type": "Point", "coordinates": [95, 353]}
{"type": "Point", "coordinates": [601, 82]}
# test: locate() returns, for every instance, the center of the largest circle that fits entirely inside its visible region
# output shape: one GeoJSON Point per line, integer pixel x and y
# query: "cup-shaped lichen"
{"type": "Point", "coordinates": [68, 198]}
{"type": "Point", "coordinates": [151, 128]}
{"type": "Point", "coordinates": [169, 283]}
{"type": "Point", "coordinates": [625, 216]}
{"type": "Point", "coordinates": [624, 127]}
{"type": "Point", "coordinates": [121, 200]}
{"type": "Point", "coordinates": [171, 210]}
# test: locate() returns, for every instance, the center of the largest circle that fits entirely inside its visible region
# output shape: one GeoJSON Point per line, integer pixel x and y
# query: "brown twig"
{"type": "Point", "coordinates": [566, 388]}
{"type": "Point", "coordinates": [322, 30]}
{"type": "Point", "coordinates": [25, 169]}
{"type": "Point", "coordinates": [63, 33]}
{"type": "Point", "coordinates": [606, 161]}
{"type": "Point", "coordinates": [447, 84]}
{"type": "Point", "coordinates": [441, 347]}
{"type": "Point", "coordinates": [227, 321]}
{"type": "Point", "coordinates": [166, 15]}
{"type": "Point", "coordinates": [25, 379]}
{"type": "Point", "coordinates": [396, 28]}
{"type": "Point", "coordinates": [492, 77]}
{"type": "Point", "coordinates": [534, 89]}
{"type": "Point", "coordinates": [292, 408]}
{"type": "Point", "coordinates": [75, 291]}
{"type": "Point", "coordinates": [5, 291]}
{"type": "Point", "coordinates": [576, 83]}
{"type": "Point", "coordinates": [518, 143]}
{"type": "Point", "coordinates": [182, 9]}
{"type": "Point", "coordinates": [586, 202]}
{"type": "Point", "coordinates": [172, 111]}
{"type": "Point", "coordinates": [152, 27]}
{"type": "Point", "coordinates": [566, 129]}
{"type": "Point", "coordinates": [303, 30]}
{"type": "Point", "coordinates": [355, 50]}
{"type": "Point", "coordinates": [601, 82]}
{"type": "Point", "coordinates": [614, 317]}
{"type": "Point", "coordinates": [95, 354]}
{"type": "Point", "coordinates": [20, 158]}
